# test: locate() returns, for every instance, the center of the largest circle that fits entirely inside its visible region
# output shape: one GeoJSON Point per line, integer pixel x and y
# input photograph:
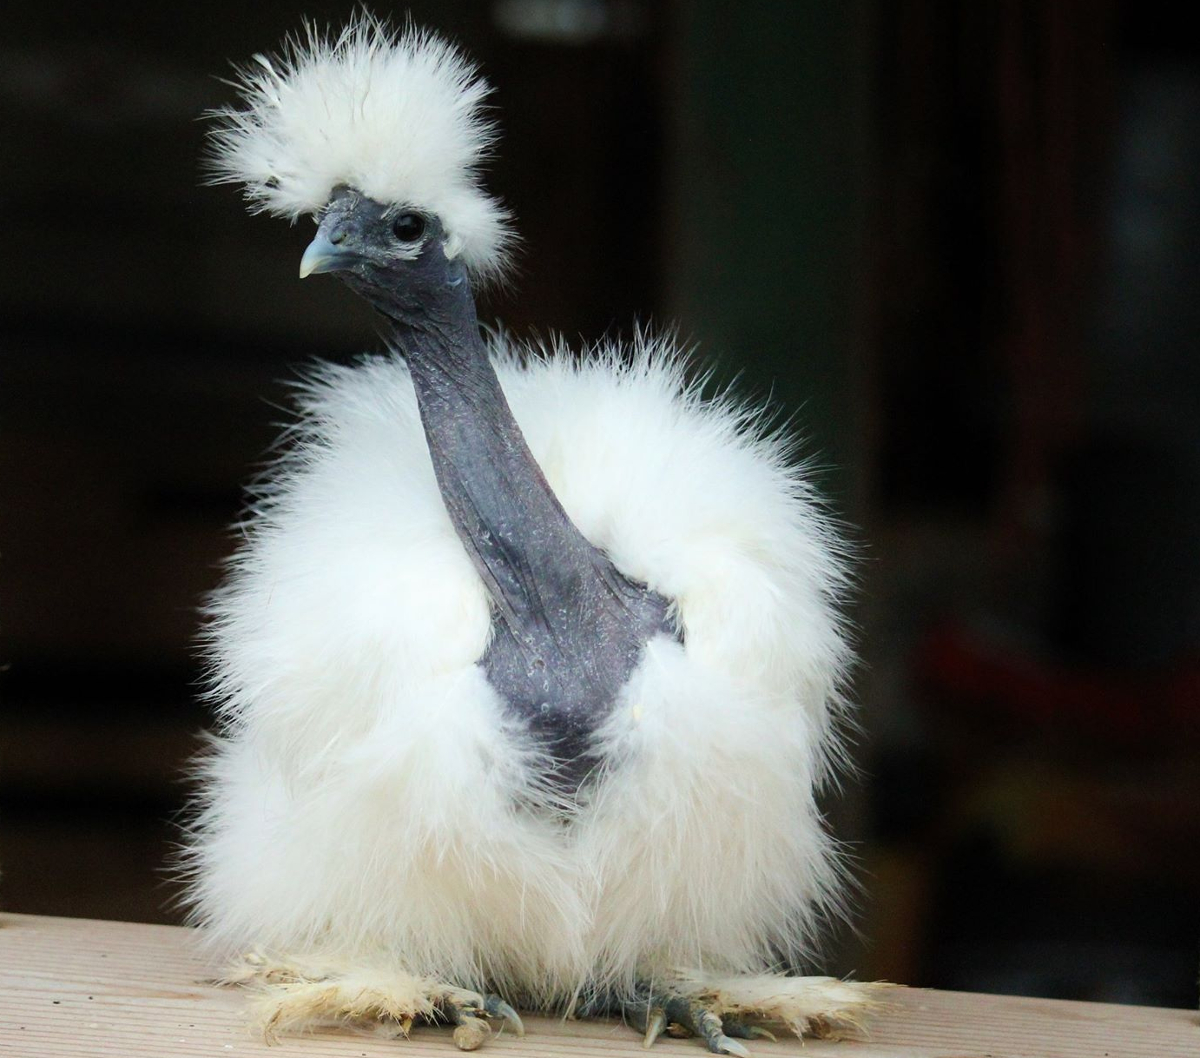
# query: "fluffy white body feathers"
{"type": "Point", "coordinates": [370, 801]}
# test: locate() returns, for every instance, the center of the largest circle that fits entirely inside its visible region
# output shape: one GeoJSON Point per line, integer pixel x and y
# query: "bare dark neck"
{"type": "Point", "coordinates": [571, 627]}
{"type": "Point", "coordinates": [528, 552]}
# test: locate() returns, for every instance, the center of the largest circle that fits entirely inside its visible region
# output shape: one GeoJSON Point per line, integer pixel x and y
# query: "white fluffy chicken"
{"type": "Point", "coordinates": [529, 666]}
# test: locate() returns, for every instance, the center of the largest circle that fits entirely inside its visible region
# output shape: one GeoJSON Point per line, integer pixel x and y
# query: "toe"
{"type": "Point", "coordinates": [470, 1033]}
{"type": "Point", "coordinates": [699, 1020]}
{"type": "Point", "coordinates": [740, 1030]}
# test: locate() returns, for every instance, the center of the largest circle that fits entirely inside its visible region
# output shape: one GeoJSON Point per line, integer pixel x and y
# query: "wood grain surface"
{"type": "Point", "coordinates": [78, 988]}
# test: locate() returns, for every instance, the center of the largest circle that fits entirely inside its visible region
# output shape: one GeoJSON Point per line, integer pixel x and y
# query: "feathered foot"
{"type": "Point", "coordinates": [295, 995]}
{"type": "Point", "coordinates": [723, 1011]}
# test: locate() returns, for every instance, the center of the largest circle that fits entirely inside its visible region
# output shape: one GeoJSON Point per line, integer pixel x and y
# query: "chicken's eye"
{"type": "Point", "coordinates": [408, 227]}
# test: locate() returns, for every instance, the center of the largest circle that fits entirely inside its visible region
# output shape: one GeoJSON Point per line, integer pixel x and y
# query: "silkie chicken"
{"type": "Point", "coordinates": [529, 666]}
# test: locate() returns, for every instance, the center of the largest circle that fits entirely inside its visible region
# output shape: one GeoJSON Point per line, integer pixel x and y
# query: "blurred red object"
{"type": "Point", "coordinates": [969, 669]}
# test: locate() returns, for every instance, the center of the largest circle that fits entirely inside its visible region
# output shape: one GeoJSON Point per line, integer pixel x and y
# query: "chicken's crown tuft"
{"type": "Point", "coordinates": [399, 115]}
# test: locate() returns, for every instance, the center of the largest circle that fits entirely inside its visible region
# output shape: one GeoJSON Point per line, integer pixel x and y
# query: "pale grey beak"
{"type": "Point", "coordinates": [325, 255]}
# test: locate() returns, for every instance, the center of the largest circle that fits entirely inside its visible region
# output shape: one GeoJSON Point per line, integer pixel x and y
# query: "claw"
{"type": "Point", "coordinates": [722, 1044]}
{"type": "Point", "coordinates": [656, 1021]}
{"type": "Point", "coordinates": [495, 1007]}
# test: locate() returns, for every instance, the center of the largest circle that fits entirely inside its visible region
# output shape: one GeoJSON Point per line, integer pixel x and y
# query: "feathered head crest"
{"type": "Point", "coordinates": [397, 115]}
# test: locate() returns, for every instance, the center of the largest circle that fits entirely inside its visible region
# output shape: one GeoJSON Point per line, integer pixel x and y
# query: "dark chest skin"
{"type": "Point", "coordinates": [568, 627]}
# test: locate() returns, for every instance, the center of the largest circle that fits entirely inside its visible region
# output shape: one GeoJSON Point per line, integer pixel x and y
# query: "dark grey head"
{"type": "Point", "coordinates": [392, 255]}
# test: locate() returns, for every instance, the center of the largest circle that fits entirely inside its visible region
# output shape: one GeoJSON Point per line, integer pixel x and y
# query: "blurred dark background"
{"type": "Point", "coordinates": [959, 241]}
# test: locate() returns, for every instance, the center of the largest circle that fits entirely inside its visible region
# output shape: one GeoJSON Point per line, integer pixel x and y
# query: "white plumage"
{"type": "Point", "coordinates": [374, 824]}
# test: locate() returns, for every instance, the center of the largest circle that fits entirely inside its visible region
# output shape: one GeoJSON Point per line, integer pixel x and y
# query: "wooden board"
{"type": "Point", "coordinates": [76, 988]}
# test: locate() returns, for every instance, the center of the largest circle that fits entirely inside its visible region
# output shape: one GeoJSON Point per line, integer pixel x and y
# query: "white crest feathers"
{"type": "Point", "coordinates": [398, 115]}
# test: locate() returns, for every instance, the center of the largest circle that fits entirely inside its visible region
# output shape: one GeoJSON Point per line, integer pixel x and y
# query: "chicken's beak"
{"type": "Point", "coordinates": [327, 253]}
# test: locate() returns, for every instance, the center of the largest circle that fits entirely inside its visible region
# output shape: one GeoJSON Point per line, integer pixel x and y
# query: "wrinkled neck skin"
{"type": "Point", "coordinates": [569, 628]}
